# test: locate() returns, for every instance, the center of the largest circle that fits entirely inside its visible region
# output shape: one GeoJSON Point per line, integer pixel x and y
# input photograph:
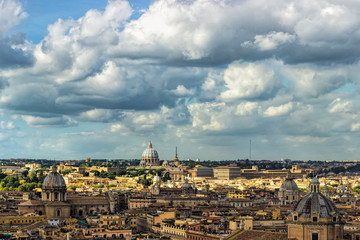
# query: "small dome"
{"type": "Point", "coordinates": [54, 180]}
{"type": "Point", "coordinates": [290, 185]}
{"type": "Point", "coordinates": [315, 180]}
{"type": "Point", "coordinates": [186, 185]}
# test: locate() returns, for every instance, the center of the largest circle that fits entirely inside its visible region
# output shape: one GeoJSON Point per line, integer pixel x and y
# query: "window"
{"type": "Point", "coordinates": [314, 236]}
{"type": "Point", "coordinates": [47, 195]}
{"type": "Point", "coordinates": [315, 219]}
{"type": "Point", "coordinates": [334, 219]}
{"type": "Point", "coordinates": [295, 218]}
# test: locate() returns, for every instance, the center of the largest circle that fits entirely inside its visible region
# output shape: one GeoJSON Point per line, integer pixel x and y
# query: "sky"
{"type": "Point", "coordinates": [99, 79]}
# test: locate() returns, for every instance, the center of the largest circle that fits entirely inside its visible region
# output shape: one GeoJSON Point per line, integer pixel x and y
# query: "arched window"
{"type": "Point", "coordinates": [56, 196]}
{"type": "Point", "coordinates": [80, 212]}
{"type": "Point", "coordinates": [58, 213]}
{"type": "Point", "coordinates": [40, 213]}
{"type": "Point", "coordinates": [47, 195]}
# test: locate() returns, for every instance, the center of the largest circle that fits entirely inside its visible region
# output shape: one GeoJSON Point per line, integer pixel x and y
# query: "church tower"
{"type": "Point", "coordinates": [176, 159]}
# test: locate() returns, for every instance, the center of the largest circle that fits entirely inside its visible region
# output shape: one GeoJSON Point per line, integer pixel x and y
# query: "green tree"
{"type": "Point", "coordinates": [66, 171]}
{"type": "Point", "coordinates": [33, 177]}
{"type": "Point", "coordinates": [166, 177]}
{"type": "Point", "coordinates": [25, 173]}
{"type": "Point", "coordinates": [356, 189]}
{"type": "Point", "coordinates": [96, 172]}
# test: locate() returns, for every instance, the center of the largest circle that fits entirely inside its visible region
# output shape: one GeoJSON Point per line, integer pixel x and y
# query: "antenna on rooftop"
{"type": "Point", "coordinates": [176, 151]}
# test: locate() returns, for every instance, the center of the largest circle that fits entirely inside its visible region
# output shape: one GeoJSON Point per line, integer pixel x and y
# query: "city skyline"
{"type": "Point", "coordinates": [101, 78]}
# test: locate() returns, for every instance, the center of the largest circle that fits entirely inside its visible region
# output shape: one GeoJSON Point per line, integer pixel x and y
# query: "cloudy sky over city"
{"type": "Point", "coordinates": [95, 78]}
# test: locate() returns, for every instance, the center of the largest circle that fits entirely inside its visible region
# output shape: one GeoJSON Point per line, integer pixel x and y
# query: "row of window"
{"type": "Point", "coordinates": [20, 221]}
{"type": "Point", "coordinates": [315, 219]}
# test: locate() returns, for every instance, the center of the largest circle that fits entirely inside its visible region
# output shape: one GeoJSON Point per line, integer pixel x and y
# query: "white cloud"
{"type": "Point", "coordinates": [183, 91]}
{"type": "Point", "coordinates": [249, 80]}
{"type": "Point", "coordinates": [7, 125]}
{"type": "Point", "coordinates": [11, 14]}
{"type": "Point", "coordinates": [272, 40]}
{"type": "Point", "coordinates": [101, 115]}
{"type": "Point", "coordinates": [339, 105]}
{"type": "Point", "coordinates": [49, 121]}
{"type": "Point", "coordinates": [212, 80]}
{"type": "Point", "coordinates": [247, 108]}
{"type": "Point", "coordinates": [283, 109]}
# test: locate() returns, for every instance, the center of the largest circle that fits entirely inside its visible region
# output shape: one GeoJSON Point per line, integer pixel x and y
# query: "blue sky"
{"type": "Point", "coordinates": [94, 78]}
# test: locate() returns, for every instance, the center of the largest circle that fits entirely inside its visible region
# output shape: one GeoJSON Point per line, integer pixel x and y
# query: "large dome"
{"type": "Point", "coordinates": [150, 152]}
{"type": "Point", "coordinates": [315, 203]}
{"type": "Point", "coordinates": [150, 156]}
{"type": "Point", "coordinates": [54, 180]}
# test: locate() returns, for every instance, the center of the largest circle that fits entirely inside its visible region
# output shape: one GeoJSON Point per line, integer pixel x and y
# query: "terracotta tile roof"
{"type": "Point", "coordinates": [258, 235]}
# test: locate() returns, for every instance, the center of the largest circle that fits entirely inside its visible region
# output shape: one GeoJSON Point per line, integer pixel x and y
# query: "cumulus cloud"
{"type": "Point", "coordinates": [339, 105]}
{"type": "Point", "coordinates": [272, 40]}
{"type": "Point", "coordinates": [278, 110]}
{"type": "Point", "coordinates": [101, 115]}
{"type": "Point", "coordinates": [14, 51]}
{"type": "Point", "coordinates": [253, 69]}
{"type": "Point", "coordinates": [183, 91]}
{"type": "Point", "coordinates": [250, 80]}
{"type": "Point", "coordinates": [49, 121]}
{"type": "Point", "coordinates": [11, 14]}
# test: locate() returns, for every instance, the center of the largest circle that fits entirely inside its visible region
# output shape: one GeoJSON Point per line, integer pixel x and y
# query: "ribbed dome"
{"type": "Point", "coordinates": [289, 184]}
{"type": "Point", "coordinates": [315, 202]}
{"type": "Point", "coordinates": [54, 180]}
{"type": "Point", "coordinates": [186, 185]}
{"type": "Point", "coordinates": [315, 180]}
{"type": "Point", "coordinates": [150, 152]}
